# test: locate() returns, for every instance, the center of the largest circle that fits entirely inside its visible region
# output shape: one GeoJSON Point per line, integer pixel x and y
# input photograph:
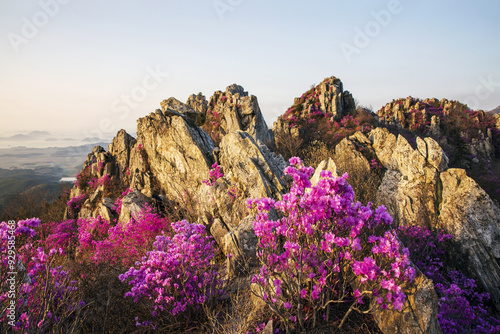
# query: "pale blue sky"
{"type": "Point", "coordinates": [73, 72]}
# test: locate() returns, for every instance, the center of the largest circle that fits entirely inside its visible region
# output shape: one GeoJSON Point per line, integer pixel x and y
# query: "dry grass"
{"type": "Point", "coordinates": [288, 145]}
{"type": "Point", "coordinates": [316, 152]}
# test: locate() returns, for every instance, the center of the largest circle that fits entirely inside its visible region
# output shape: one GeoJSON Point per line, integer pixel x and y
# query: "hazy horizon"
{"type": "Point", "coordinates": [91, 68]}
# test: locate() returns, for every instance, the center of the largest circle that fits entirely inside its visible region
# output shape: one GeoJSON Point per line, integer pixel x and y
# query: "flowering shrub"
{"type": "Point", "coordinates": [461, 305]}
{"type": "Point", "coordinates": [105, 181]}
{"type": "Point", "coordinates": [176, 276]}
{"type": "Point", "coordinates": [213, 175]}
{"type": "Point", "coordinates": [62, 235]}
{"type": "Point", "coordinates": [45, 298]}
{"type": "Point", "coordinates": [93, 183]}
{"type": "Point", "coordinates": [83, 178]}
{"type": "Point", "coordinates": [322, 242]}
{"type": "Point", "coordinates": [92, 237]}
{"type": "Point", "coordinates": [122, 244]}
{"type": "Point", "coordinates": [75, 203]}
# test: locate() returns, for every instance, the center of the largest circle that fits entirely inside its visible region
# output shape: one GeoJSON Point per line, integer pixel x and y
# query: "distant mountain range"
{"type": "Point", "coordinates": [496, 110]}
{"type": "Point", "coordinates": [33, 135]}
{"type": "Point", "coordinates": [41, 139]}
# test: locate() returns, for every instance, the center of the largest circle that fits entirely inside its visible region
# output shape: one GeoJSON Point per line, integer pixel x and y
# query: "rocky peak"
{"type": "Point", "coordinates": [327, 100]}
{"type": "Point", "coordinates": [199, 103]}
{"type": "Point", "coordinates": [236, 110]}
{"type": "Point", "coordinates": [322, 116]}
{"type": "Point", "coordinates": [236, 89]}
{"type": "Point", "coordinates": [497, 120]}
{"type": "Point", "coordinates": [172, 104]}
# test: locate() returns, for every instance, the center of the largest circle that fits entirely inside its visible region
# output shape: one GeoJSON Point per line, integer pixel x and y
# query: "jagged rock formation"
{"type": "Point", "coordinates": [121, 149]}
{"type": "Point", "coordinates": [199, 103]}
{"type": "Point", "coordinates": [172, 157]}
{"type": "Point", "coordinates": [132, 204]}
{"type": "Point", "coordinates": [235, 110]}
{"type": "Point", "coordinates": [328, 99]}
{"type": "Point", "coordinates": [178, 153]}
{"type": "Point", "coordinates": [173, 104]}
{"type": "Point", "coordinates": [497, 120]}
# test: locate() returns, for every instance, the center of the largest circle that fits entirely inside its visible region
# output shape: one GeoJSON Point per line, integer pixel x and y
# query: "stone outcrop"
{"type": "Point", "coordinates": [418, 188]}
{"type": "Point", "coordinates": [334, 99]}
{"type": "Point", "coordinates": [324, 165]}
{"type": "Point", "coordinates": [409, 187]}
{"type": "Point", "coordinates": [179, 154]}
{"type": "Point", "coordinates": [132, 204]}
{"type": "Point", "coordinates": [328, 98]}
{"type": "Point", "coordinates": [121, 149]}
{"type": "Point", "coordinates": [347, 157]}
{"type": "Point", "coordinates": [172, 104]}
{"type": "Point", "coordinates": [171, 158]}
{"type": "Point", "coordinates": [497, 120]}
{"type": "Point", "coordinates": [469, 214]}
{"type": "Point", "coordinates": [410, 112]}
{"type": "Point", "coordinates": [250, 171]}
{"type": "Point", "coordinates": [198, 103]}
{"type": "Point", "coordinates": [236, 110]}
{"type": "Point", "coordinates": [260, 171]}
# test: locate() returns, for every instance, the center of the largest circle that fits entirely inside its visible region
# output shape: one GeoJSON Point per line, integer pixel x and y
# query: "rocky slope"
{"type": "Point", "coordinates": [172, 156]}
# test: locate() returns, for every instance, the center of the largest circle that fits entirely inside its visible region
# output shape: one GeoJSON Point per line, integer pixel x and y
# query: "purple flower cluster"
{"type": "Point", "coordinates": [214, 174]}
{"type": "Point", "coordinates": [374, 164]}
{"type": "Point", "coordinates": [62, 235]}
{"type": "Point", "coordinates": [462, 307]}
{"type": "Point", "coordinates": [44, 295]}
{"type": "Point", "coordinates": [75, 203]}
{"type": "Point", "coordinates": [105, 181]}
{"type": "Point", "coordinates": [176, 275]}
{"type": "Point", "coordinates": [124, 243]}
{"type": "Point", "coordinates": [323, 240]}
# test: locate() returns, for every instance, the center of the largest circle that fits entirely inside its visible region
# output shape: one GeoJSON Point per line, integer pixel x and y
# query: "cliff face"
{"type": "Point", "coordinates": [173, 155]}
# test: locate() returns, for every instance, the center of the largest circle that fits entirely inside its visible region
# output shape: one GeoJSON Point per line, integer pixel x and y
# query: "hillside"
{"type": "Point", "coordinates": [496, 110]}
{"type": "Point", "coordinates": [259, 239]}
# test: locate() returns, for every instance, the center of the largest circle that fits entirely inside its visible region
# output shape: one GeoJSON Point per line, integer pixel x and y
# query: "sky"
{"type": "Point", "coordinates": [90, 68]}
